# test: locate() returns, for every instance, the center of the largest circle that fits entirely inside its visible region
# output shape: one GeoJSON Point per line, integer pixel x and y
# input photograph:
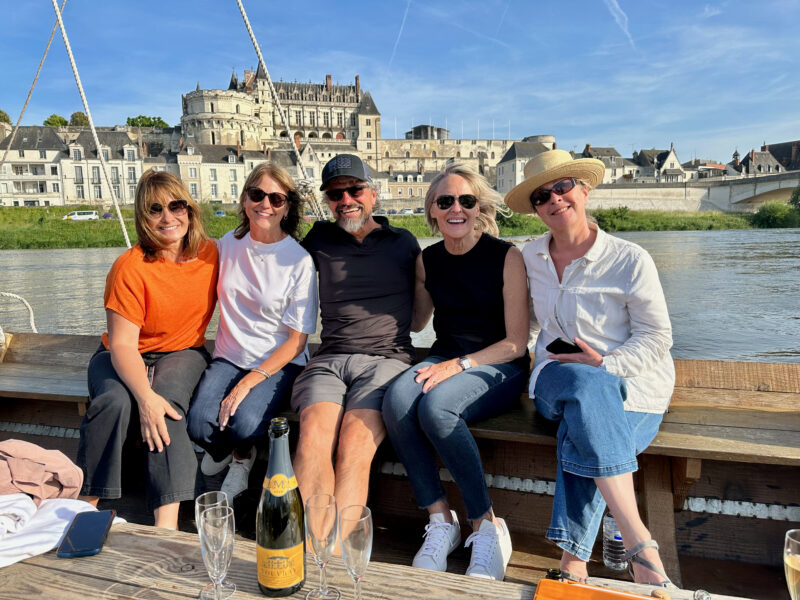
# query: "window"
{"type": "Point", "coordinates": [399, 191]}
{"type": "Point", "coordinates": [213, 190]}
{"type": "Point", "coordinates": [116, 192]}
{"type": "Point", "coordinates": [339, 119]}
{"type": "Point", "coordinates": [312, 119]}
{"type": "Point", "coordinates": [410, 191]}
{"type": "Point", "coordinates": [131, 155]}
{"type": "Point", "coordinates": [353, 120]}
{"type": "Point", "coordinates": [212, 174]}
{"type": "Point", "coordinates": [79, 175]}
{"type": "Point", "coordinates": [115, 174]}
{"type": "Point", "coordinates": [433, 154]}
{"type": "Point", "coordinates": [298, 117]}
{"type": "Point", "coordinates": [369, 121]}
{"type": "Point", "coordinates": [76, 154]}
{"type": "Point", "coordinates": [408, 155]}
{"type": "Point", "coordinates": [105, 155]}
{"type": "Point", "coordinates": [193, 172]}
{"type": "Point", "coordinates": [131, 191]}
{"type": "Point", "coordinates": [56, 188]}
{"type": "Point", "coordinates": [212, 107]}
{"type": "Point", "coordinates": [369, 145]}
{"type": "Point", "coordinates": [400, 178]}
{"type": "Point", "coordinates": [326, 120]}
{"type": "Point", "coordinates": [98, 193]}
{"type": "Point", "coordinates": [79, 192]}
{"type": "Point", "coordinates": [131, 173]}
{"type": "Point", "coordinates": [53, 170]}
{"type": "Point", "coordinates": [234, 190]}
{"type": "Point", "coordinates": [233, 175]}
{"type": "Point", "coordinates": [22, 153]}
{"type": "Point", "coordinates": [193, 189]}
{"type": "Point", "coordinates": [95, 174]}
{"type": "Point", "coordinates": [42, 153]}
{"type": "Point", "coordinates": [419, 191]}
{"type": "Point", "coordinates": [232, 159]}
{"type": "Point", "coordinates": [369, 134]}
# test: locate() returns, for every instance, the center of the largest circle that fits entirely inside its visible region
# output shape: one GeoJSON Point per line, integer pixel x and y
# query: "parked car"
{"type": "Point", "coordinates": [108, 215]}
{"type": "Point", "coordinates": [406, 211]}
{"type": "Point", "coordinates": [220, 213]}
{"type": "Point", "coordinates": [392, 211]}
{"type": "Point", "coordinates": [81, 215]}
{"type": "Point", "coordinates": [419, 210]}
{"type": "Point", "coordinates": [380, 212]}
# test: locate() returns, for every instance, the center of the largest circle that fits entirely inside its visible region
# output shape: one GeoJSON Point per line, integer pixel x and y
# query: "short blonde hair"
{"type": "Point", "coordinates": [488, 199]}
{"type": "Point", "coordinates": [156, 187]}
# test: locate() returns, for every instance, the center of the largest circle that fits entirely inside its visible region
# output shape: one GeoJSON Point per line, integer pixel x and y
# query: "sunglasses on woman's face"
{"type": "Point", "coordinates": [542, 196]}
{"type": "Point", "coordinates": [257, 195]}
{"type": "Point", "coordinates": [445, 201]}
{"type": "Point", "coordinates": [354, 191]}
{"type": "Point", "coordinates": [176, 207]}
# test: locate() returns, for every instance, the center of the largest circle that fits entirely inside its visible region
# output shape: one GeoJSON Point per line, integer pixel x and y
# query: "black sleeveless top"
{"type": "Point", "coordinates": [467, 293]}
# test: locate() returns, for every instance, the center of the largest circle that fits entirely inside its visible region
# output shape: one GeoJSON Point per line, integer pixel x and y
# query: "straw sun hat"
{"type": "Point", "coordinates": [550, 166]}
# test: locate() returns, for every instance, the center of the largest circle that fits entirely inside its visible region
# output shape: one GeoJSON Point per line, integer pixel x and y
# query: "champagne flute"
{"type": "Point", "coordinates": [208, 500]}
{"type": "Point", "coordinates": [216, 542]}
{"type": "Point", "coordinates": [320, 518]}
{"type": "Point", "coordinates": [791, 562]}
{"type": "Point", "coordinates": [355, 536]}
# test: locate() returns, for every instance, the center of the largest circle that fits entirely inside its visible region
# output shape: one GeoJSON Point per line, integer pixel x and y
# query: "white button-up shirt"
{"type": "Point", "coordinates": [611, 298]}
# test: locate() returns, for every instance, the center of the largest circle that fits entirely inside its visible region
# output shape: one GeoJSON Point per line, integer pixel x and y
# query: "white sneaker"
{"type": "Point", "coordinates": [491, 551]}
{"type": "Point", "coordinates": [441, 538]}
{"type": "Point", "coordinates": [209, 467]}
{"type": "Point", "coordinates": [237, 478]}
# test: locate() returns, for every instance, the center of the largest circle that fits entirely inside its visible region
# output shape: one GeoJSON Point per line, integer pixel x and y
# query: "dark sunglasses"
{"type": "Point", "coordinates": [257, 195]}
{"type": "Point", "coordinates": [176, 207]}
{"type": "Point", "coordinates": [445, 201]}
{"type": "Point", "coordinates": [354, 191]}
{"type": "Point", "coordinates": [541, 196]}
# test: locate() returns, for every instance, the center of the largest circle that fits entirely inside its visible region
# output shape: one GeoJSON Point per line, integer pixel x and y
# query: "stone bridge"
{"type": "Point", "coordinates": [745, 194]}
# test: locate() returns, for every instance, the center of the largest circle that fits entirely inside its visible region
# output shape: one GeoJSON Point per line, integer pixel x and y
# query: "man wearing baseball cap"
{"type": "Point", "coordinates": [367, 277]}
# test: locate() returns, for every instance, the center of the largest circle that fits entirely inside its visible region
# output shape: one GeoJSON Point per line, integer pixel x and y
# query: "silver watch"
{"type": "Point", "coordinates": [465, 363]}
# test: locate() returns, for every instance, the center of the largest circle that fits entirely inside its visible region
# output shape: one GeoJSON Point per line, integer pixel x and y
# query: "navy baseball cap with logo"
{"type": "Point", "coordinates": [344, 165]}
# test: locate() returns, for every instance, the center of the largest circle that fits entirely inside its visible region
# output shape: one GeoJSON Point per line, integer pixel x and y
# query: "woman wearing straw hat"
{"type": "Point", "coordinates": [476, 369]}
{"type": "Point", "coordinates": [602, 366]}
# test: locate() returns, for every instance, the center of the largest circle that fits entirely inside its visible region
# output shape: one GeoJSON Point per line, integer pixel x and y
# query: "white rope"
{"type": "Point", "coordinates": [91, 123]}
{"type": "Point", "coordinates": [30, 92]}
{"type": "Point", "coordinates": [28, 306]}
{"type": "Point", "coordinates": [314, 202]}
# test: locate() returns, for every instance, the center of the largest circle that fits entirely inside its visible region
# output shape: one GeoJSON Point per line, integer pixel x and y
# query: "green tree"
{"type": "Point", "coordinates": [794, 200]}
{"type": "Point", "coordinates": [55, 120]}
{"type": "Point", "coordinates": [4, 118]}
{"type": "Point", "coordinates": [79, 119]}
{"type": "Point", "coordinates": [143, 121]}
{"type": "Point", "coordinates": [776, 214]}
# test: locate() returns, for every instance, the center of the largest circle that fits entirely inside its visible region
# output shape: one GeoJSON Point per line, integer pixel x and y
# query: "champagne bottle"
{"type": "Point", "coordinates": [279, 522]}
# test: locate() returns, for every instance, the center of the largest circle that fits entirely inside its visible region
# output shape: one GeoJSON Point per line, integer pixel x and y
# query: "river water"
{"type": "Point", "coordinates": [732, 295]}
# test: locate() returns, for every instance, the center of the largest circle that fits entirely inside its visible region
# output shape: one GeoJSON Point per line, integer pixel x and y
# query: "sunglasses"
{"type": "Point", "coordinates": [176, 207]}
{"type": "Point", "coordinates": [257, 195]}
{"type": "Point", "coordinates": [542, 196]}
{"type": "Point", "coordinates": [354, 191]}
{"type": "Point", "coordinates": [445, 201]}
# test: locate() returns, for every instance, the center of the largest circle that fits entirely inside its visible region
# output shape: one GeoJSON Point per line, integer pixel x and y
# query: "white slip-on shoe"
{"type": "Point", "coordinates": [491, 550]}
{"type": "Point", "coordinates": [209, 467]}
{"type": "Point", "coordinates": [238, 474]}
{"type": "Point", "coordinates": [441, 538]}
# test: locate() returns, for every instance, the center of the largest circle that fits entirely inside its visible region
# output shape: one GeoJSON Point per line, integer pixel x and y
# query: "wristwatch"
{"type": "Point", "coordinates": [465, 363]}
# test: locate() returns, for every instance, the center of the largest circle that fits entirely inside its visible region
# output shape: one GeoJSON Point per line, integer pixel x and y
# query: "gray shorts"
{"type": "Point", "coordinates": [350, 380]}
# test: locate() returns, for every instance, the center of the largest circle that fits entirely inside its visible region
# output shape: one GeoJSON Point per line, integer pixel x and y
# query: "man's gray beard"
{"type": "Point", "coordinates": [353, 225]}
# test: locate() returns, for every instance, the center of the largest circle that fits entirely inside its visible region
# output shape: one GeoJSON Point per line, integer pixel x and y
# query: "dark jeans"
{"type": "Point", "coordinates": [113, 416]}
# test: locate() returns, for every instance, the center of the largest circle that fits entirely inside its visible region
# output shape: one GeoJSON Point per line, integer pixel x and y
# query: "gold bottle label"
{"type": "Point", "coordinates": [280, 568]}
{"type": "Point", "coordinates": [279, 484]}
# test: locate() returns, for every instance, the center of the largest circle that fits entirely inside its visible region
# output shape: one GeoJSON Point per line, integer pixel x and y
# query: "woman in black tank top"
{"type": "Point", "coordinates": [476, 288]}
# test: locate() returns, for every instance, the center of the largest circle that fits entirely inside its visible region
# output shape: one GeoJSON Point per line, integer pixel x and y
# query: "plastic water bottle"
{"type": "Point", "coordinates": [613, 550]}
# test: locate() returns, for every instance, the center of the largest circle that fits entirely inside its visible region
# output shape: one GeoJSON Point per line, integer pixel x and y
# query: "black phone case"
{"type": "Point", "coordinates": [86, 534]}
{"type": "Point", "coordinates": [559, 346]}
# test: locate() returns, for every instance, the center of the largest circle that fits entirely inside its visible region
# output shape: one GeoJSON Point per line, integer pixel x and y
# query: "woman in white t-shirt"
{"type": "Point", "coordinates": [268, 305]}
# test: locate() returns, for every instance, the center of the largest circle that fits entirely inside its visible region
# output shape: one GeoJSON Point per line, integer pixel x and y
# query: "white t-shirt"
{"type": "Point", "coordinates": [263, 289]}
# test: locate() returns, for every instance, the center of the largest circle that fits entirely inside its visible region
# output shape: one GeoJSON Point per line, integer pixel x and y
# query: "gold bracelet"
{"type": "Point", "coordinates": [261, 372]}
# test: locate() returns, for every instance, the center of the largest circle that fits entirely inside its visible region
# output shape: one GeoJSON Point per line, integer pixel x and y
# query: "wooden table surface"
{"type": "Point", "coordinates": [143, 562]}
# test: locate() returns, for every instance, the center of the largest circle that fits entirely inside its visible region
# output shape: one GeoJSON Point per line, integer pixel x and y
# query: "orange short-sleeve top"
{"type": "Point", "coordinates": [170, 302]}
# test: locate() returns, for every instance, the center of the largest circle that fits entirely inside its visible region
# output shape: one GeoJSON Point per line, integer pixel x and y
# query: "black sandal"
{"type": "Point", "coordinates": [632, 556]}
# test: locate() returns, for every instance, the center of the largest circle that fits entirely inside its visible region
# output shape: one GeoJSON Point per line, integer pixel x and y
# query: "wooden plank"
{"type": "Point", "coordinates": [744, 399]}
{"type": "Point", "coordinates": [4, 344]}
{"type": "Point", "coordinates": [754, 376]}
{"type": "Point", "coordinates": [754, 420]}
{"type": "Point", "coordinates": [773, 484]}
{"type": "Point", "coordinates": [54, 349]}
{"type": "Point", "coordinates": [656, 504]}
{"type": "Point", "coordinates": [39, 412]}
{"type": "Point", "coordinates": [685, 472]}
{"type": "Point", "coordinates": [47, 383]}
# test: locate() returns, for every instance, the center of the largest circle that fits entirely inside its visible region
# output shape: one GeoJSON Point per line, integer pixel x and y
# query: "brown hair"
{"type": "Point", "coordinates": [155, 187]}
{"type": "Point", "coordinates": [291, 222]}
{"type": "Point", "coordinates": [488, 199]}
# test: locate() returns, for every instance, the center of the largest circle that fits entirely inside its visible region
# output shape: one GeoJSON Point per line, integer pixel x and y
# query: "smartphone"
{"type": "Point", "coordinates": [561, 346]}
{"type": "Point", "coordinates": [86, 534]}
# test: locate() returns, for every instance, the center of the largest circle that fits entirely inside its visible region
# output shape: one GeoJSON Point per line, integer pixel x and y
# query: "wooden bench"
{"type": "Point", "coordinates": [723, 414]}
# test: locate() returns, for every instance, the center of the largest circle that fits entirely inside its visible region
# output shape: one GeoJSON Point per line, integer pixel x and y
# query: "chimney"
{"type": "Point", "coordinates": [752, 155]}
{"type": "Point", "coordinates": [391, 170]}
{"type": "Point", "coordinates": [328, 82]}
{"type": "Point", "coordinates": [238, 150]}
{"type": "Point", "coordinates": [421, 169]}
{"type": "Point", "coordinates": [358, 86]}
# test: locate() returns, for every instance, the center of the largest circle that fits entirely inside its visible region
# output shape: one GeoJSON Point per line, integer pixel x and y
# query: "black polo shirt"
{"type": "Point", "coordinates": [366, 289]}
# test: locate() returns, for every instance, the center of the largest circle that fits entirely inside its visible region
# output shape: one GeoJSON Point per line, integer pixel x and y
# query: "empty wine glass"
{"type": "Point", "coordinates": [355, 536]}
{"type": "Point", "coordinates": [321, 538]}
{"type": "Point", "coordinates": [216, 531]}
{"type": "Point", "coordinates": [208, 500]}
{"type": "Point", "coordinates": [791, 562]}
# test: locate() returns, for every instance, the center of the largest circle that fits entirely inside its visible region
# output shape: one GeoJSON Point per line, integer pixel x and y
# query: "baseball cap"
{"type": "Point", "coordinates": [344, 165]}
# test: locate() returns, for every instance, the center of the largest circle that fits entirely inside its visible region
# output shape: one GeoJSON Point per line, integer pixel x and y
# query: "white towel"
{"type": "Point", "coordinates": [15, 510]}
{"type": "Point", "coordinates": [44, 529]}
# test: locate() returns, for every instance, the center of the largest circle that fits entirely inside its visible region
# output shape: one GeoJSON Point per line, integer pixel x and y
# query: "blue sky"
{"type": "Point", "coordinates": [709, 77]}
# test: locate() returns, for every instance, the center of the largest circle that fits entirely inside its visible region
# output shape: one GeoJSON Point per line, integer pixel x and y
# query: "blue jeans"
{"type": "Point", "coordinates": [423, 425]}
{"type": "Point", "coordinates": [596, 438]}
{"type": "Point", "coordinates": [250, 422]}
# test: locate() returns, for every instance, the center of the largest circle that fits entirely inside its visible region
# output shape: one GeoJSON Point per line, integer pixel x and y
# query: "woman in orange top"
{"type": "Point", "coordinates": [159, 298]}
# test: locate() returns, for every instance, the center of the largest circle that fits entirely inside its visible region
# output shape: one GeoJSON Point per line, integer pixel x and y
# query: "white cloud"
{"type": "Point", "coordinates": [620, 17]}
